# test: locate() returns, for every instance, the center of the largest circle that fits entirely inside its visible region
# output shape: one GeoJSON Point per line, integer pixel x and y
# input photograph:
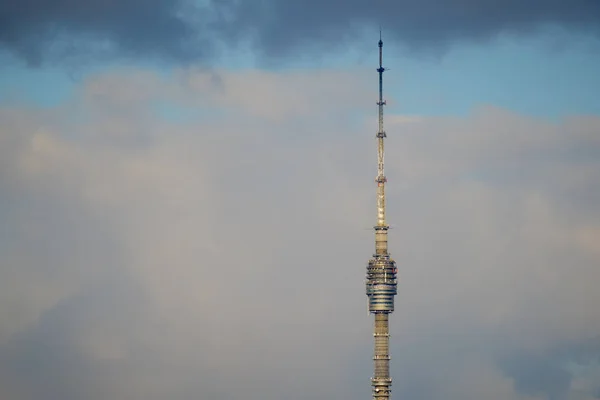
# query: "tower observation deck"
{"type": "Point", "coordinates": [381, 270]}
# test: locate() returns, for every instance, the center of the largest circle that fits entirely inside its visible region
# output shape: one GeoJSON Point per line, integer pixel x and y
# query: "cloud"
{"type": "Point", "coordinates": [284, 26]}
{"type": "Point", "coordinates": [185, 31]}
{"type": "Point", "coordinates": [39, 30]}
{"type": "Point", "coordinates": [224, 256]}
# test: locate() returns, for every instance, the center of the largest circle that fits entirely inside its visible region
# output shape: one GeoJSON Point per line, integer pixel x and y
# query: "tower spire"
{"type": "Point", "coordinates": [380, 135]}
{"type": "Point", "coordinates": [381, 270]}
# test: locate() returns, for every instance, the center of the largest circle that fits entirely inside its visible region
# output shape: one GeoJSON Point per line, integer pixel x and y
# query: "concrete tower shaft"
{"type": "Point", "coordinates": [381, 271]}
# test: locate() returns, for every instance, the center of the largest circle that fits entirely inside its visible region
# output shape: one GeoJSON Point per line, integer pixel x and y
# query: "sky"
{"type": "Point", "coordinates": [187, 194]}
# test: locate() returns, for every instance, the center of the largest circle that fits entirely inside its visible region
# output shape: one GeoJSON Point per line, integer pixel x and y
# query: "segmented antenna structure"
{"type": "Point", "coordinates": [381, 270]}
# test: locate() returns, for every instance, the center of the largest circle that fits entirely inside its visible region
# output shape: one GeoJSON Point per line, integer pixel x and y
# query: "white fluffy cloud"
{"type": "Point", "coordinates": [224, 256]}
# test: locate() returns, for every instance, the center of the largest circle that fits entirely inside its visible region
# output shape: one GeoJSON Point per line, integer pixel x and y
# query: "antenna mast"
{"type": "Point", "coordinates": [381, 270]}
{"type": "Point", "coordinates": [380, 135]}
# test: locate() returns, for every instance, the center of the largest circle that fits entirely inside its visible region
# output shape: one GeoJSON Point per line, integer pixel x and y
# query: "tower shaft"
{"type": "Point", "coordinates": [381, 270]}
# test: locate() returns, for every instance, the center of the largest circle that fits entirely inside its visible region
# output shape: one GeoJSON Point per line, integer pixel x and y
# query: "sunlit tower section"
{"type": "Point", "coordinates": [381, 270]}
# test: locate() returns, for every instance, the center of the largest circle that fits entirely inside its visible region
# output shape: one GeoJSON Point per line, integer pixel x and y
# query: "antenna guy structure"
{"type": "Point", "coordinates": [381, 271]}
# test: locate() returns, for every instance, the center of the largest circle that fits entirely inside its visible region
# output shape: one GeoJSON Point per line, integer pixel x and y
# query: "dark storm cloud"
{"type": "Point", "coordinates": [39, 29]}
{"type": "Point", "coordinates": [538, 375]}
{"type": "Point", "coordinates": [280, 26]}
{"type": "Point", "coordinates": [183, 30]}
{"type": "Point", "coordinates": [549, 373]}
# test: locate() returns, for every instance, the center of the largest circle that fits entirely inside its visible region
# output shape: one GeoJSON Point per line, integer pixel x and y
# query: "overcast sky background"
{"type": "Point", "coordinates": [187, 195]}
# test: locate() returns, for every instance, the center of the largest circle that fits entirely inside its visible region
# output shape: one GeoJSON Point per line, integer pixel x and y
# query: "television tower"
{"type": "Point", "coordinates": [381, 270]}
